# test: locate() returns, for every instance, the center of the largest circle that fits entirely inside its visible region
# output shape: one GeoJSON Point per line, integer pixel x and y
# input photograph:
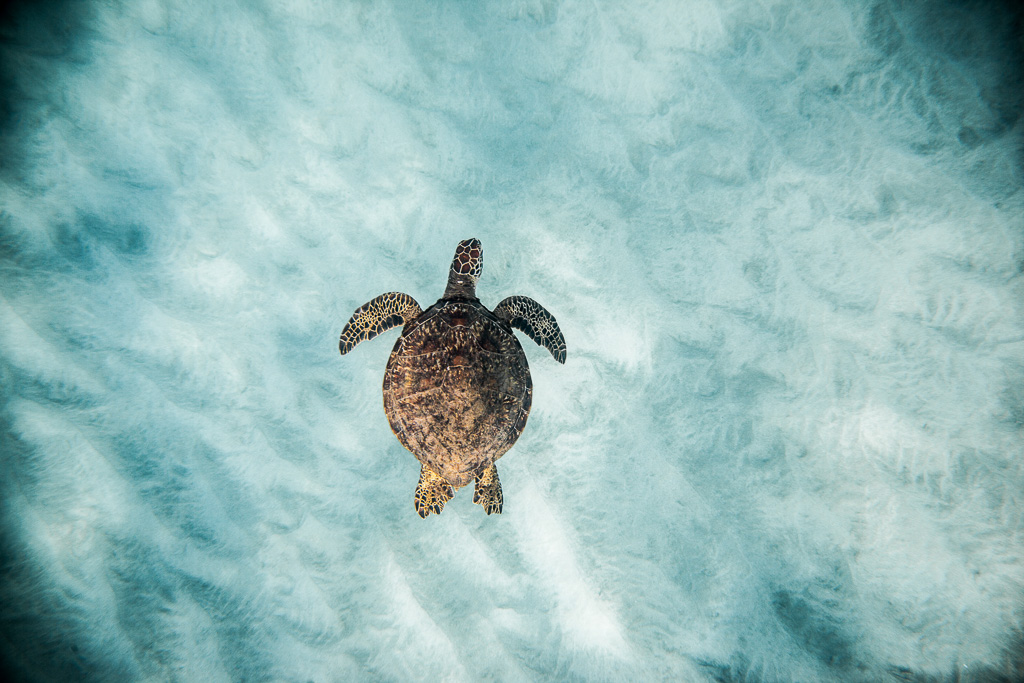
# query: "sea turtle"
{"type": "Point", "coordinates": [457, 387]}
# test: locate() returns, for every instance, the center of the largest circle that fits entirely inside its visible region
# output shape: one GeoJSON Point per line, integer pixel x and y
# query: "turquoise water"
{"type": "Point", "coordinates": [783, 240]}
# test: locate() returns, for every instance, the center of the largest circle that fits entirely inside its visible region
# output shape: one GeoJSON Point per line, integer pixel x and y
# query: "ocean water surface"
{"type": "Point", "coordinates": [785, 244]}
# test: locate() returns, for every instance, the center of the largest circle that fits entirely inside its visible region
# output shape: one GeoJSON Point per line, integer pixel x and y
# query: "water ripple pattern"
{"type": "Point", "coordinates": [783, 240]}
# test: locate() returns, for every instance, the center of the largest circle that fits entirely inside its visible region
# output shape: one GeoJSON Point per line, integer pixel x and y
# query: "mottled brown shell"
{"type": "Point", "coordinates": [457, 389]}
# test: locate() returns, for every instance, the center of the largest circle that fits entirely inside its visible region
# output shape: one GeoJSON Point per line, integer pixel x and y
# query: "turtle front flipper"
{"type": "Point", "coordinates": [376, 316]}
{"type": "Point", "coordinates": [487, 491]}
{"type": "Point", "coordinates": [432, 492]}
{"type": "Point", "coordinates": [525, 314]}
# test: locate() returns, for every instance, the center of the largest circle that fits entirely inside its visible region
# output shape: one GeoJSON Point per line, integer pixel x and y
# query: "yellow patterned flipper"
{"type": "Point", "coordinates": [432, 492]}
{"type": "Point", "coordinates": [376, 316]}
{"type": "Point", "coordinates": [526, 315]}
{"type": "Point", "coordinates": [487, 491]}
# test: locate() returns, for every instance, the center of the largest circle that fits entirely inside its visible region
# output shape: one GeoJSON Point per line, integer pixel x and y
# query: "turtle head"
{"type": "Point", "coordinates": [466, 268]}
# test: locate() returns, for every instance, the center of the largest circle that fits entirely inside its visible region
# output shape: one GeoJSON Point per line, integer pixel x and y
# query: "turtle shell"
{"type": "Point", "coordinates": [457, 389]}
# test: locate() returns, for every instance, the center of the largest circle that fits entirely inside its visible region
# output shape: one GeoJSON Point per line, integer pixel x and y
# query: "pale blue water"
{"type": "Point", "coordinates": [784, 241]}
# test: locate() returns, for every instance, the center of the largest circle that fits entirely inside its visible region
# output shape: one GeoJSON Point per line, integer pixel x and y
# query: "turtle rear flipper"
{"type": "Point", "coordinates": [376, 316]}
{"type": "Point", "coordinates": [432, 492]}
{"type": "Point", "coordinates": [487, 491]}
{"type": "Point", "coordinates": [525, 314]}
